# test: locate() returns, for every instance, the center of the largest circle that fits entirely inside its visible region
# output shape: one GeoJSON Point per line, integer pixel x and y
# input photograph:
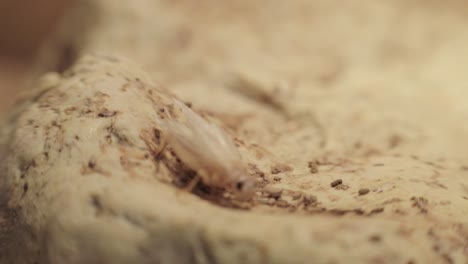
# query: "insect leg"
{"type": "Point", "coordinates": [161, 147]}
{"type": "Point", "coordinates": [191, 185]}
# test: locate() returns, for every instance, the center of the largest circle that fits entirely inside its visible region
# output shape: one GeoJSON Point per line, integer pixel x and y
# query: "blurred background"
{"type": "Point", "coordinates": [23, 27]}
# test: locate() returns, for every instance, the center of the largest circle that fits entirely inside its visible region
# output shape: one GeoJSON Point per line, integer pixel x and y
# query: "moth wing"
{"type": "Point", "coordinates": [210, 135]}
{"type": "Point", "coordinates": [185, 144]}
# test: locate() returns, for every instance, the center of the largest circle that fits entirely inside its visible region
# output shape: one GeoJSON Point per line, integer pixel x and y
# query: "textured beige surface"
{"type": "Point", "coordinates": [365, 92]}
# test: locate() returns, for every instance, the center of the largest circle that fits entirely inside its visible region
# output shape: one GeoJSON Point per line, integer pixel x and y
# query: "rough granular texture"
{"type": "Point", "coordinates": [312, 92]}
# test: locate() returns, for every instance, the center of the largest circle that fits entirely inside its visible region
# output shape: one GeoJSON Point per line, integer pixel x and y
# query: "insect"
{"type": "Point", "coordinates": [206, 149]}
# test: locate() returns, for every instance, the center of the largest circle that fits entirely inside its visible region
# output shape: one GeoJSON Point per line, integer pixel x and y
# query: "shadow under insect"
{"type": "Point", "coordinates": [186, 179]}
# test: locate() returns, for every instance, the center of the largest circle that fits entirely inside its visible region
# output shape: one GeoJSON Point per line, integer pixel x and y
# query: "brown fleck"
{"type": "Point", "coordinates": [322, 161]}
{"type": "Point", "coordinates": [107, 113]}
{"type": "Point", "coordinates": [92, 163]}
{"type": "Point", "coordinates": [393, 200]}
{"type": "Point", "coordinates": [358, 211]}
{"type": "Point", "coordinates": [379, 165]}
{"type": "Point", "coordinates": [70, 110]}
{"type": "Point", "coordinates": [336, 183]}
{"type": "Point", "coordinates": [125, 86]}
{"type": "Point", "coordinates": [399, 212]}
{"type": "Point", "coordinates": [358, 145]}
{"type": "Point", "coordinates": [275, 171]}
{"type": "Point", "coordinates": [239, 141]}
{"type": "Point", "coordinates": [435, 165]}
{"type": "Point", "coordinates": [338, 212]}
{"type": "Point", "coordinates": [255, 170]}
{"type": "Point", "coordinates": [188, 104]}
{"type": "Point", "coordinates": [375, 238]}
{"type": "Point", "coordinates": [313, 167]}
{"type": "Point", "coordinates": [395, 141]}
{"type": "Point", "coordinates": [96, 202]}
{"type": "Point", "coordinates": [273, 192]}
{"type": "Point", "coordinates": [25, 188]}
{"type": "Point", "coordinates": [363, 191]}
{"type": "Point", "coordinates": [435, 184]}
{"type": "Point", "coordinates": [56, 124]}
{"type": "Point", "coordinates": [259, 175]}
{"type": "Point", "coordinates": [309, 199]}
{"type": "Point", "coordinates": [343, 187]}
{"type": "Point", "coordinates": [92, 167]}
{"type": "Point", "coordinates": [279, 168]}
{"type": "Point", "coordinates": [376, 211]}
{"type": "Point", "coordinates": [421, 203]}
{"type": "Point", "coordinates": [277, 178]}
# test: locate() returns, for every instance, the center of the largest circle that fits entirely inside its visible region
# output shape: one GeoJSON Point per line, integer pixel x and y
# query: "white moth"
{"type": "Point", "coordinates": [206, 149]}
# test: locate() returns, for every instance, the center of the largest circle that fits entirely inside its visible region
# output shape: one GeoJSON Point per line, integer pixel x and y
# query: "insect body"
{"type": "Point", "coordinates": [205, 148]}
